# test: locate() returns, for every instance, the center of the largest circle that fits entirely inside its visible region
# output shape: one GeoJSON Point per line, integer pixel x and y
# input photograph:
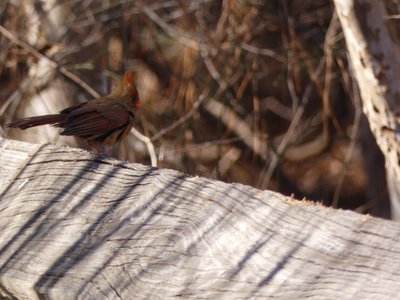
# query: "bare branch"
{"type": "Point", "coordinates": [54, 64]}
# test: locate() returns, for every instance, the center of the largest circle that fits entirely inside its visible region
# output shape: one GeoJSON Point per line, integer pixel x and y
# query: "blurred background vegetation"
{"type": "Point", "coordinates": [255, 92]}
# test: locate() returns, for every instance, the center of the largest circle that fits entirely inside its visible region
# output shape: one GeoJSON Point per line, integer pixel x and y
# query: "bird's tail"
{"type": "Point", "coordinates": [36, 121]}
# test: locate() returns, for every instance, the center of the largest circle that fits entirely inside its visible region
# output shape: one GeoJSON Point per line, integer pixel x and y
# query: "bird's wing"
{"type": "Point", "coordinates": [73, 107]}
{"type": "Point", "coordinates": [95, 119]}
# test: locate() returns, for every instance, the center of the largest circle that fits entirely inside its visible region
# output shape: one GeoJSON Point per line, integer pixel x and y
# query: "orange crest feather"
{"type": "Point", "coordinates": [128, 78]}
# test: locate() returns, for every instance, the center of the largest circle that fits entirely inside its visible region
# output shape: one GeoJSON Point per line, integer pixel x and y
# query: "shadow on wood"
{"type": "Point", "coordinates": [72, 226]}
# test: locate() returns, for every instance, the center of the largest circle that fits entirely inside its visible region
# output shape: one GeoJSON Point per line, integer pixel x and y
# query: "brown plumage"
{"type": "Point", "coordinates": [101, 122]}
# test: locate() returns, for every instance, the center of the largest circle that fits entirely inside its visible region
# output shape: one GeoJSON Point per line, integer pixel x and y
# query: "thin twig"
{"type": "Point", "coordinates": [328, 49]}
{"type": "Point", "coordinates": [204, 145]}
{"type": "Point", "coordinates": [212, 69]}
{"type": "Point", "coordinates": [195, 106]}
{"type": "Point", "coordinates": [352, 146]}
{"type": "Point", "coordinates": [112, 14]}
{"type": "Point", "coordinates": [175, 33]}
{"type": "Point", "coordinates": [264, 180]}
{"type": "Point", "coordinates": [263, 51]}
{"type": "Point", "coordinates": [149, 145]}
{"type": "Point", "coordinates": [183, 119]}
{"type": "Point", "coordinates": [52, 63]}
{"type": "Point", "coordinates": [241, 128]}
{"type": "Point", "coordinates": [13, 96]}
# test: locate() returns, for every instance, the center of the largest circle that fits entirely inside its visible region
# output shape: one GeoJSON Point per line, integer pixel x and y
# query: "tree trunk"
{"type": "Point", "coordinates": [375, 61]}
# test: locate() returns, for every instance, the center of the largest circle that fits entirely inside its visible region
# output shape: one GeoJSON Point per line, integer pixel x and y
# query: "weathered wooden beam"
{"type": "Point", "coordinates": [72, 226]}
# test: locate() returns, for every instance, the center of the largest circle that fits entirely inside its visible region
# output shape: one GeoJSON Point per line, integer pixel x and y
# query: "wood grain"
{"type": "Point", "coordinates": [74, 227]}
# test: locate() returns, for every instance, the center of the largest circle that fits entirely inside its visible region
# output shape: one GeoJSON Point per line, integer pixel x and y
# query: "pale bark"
{"type": "Point", "coordinates": [43, 92]}
{"type": "Point", "coordinates": [375, 61]}
{"type": "Point", "coordinates": [76, 227]}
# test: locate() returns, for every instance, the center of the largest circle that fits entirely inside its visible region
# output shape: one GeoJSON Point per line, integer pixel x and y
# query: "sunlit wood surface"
{"type": "Point", "coordinates": [72, 226]}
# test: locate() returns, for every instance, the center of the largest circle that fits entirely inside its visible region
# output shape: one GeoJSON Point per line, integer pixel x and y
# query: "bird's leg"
{"type": "Point", "coordinates": [106, 151]}
{"type": "Point", "coordinates": [100, 150]}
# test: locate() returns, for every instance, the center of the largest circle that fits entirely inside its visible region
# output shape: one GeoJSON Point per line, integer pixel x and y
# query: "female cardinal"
{"type": "Point", "coordinates": [101, 122]}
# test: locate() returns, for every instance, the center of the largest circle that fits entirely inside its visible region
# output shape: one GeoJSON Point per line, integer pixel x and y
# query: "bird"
{"type": "Point", "coordinates": [102, 122]}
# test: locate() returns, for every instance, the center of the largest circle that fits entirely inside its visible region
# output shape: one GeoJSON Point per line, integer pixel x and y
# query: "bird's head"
{"type": "Point", "coordinates": [127, 89]}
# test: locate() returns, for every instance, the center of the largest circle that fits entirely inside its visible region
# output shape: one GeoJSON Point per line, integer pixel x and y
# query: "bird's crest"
{"type": "Point", "coordinates": [127, 88]}
{"type": "Point", "coordinates": [128, 78]}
